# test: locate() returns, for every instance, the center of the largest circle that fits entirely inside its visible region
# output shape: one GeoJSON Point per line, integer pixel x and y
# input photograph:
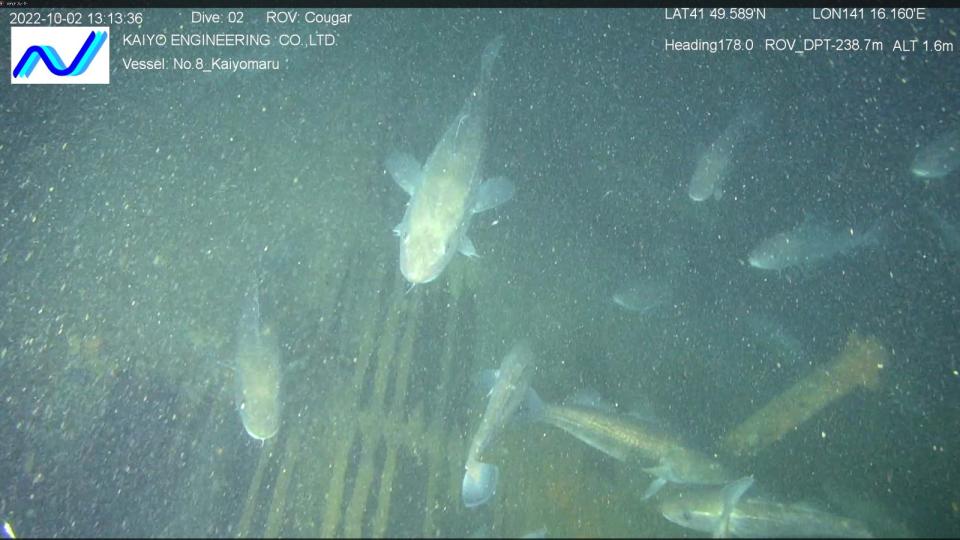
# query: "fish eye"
{"type": "Point", "coordinates": [686, 515]}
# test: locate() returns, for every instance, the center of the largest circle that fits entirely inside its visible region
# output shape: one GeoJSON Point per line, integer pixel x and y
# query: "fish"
{"type": "Point", "coordinates": [939, 157]}
{"type": "Point", "coordinates": [809, 243]}
{"type": "Point", "coordinates": [771, 335]}
{"type": "Point", "coordinates": [447, 190]}
{"type": "Point", "coordinates": [257, 374]}
{"type": "Point", "coordinates": [868, 509]}
{"type": "Point", "coordinates": [625, 439]}
{"type": "Point", "coordinates": [682, 465]}
{"type": "Point", "coordinates": [538, 533]}
{"type": "Point", "coordinates": [643, 295]}
{"type": "Point", "coordinates": [713, 165]}
{"type": "Point", "coordinates": [948, 232]}
{"type": "Point", "coordinates": [726, 512]}
{"type": "Point", "coordinates": [507, 394]}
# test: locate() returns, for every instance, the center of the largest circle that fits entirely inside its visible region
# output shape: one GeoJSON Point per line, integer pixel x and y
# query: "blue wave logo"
{"type": "Point", "coordinates": [32, 56]}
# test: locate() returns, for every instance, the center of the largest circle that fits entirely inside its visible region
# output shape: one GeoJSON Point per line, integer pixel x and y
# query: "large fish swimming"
{"type": "Point", "coordinates": [643, 295]}
{"type": "Point", "coordinates": [628, 439]}
{"type": "Point", "coordinates": [447, 190]}
{"type": "Point", "coordinates": [948, 232]}
{"type": "Point", "coordinates": [509, 390]}
{"type": "Point", "coordinates": [713, 165]}
{"type": "Point", "coordinates": [726, 512]}
{"type": "Point", "coordinates": [771, 336]}
{"type": "Point", "coordinates": [809, 243]}
{"type": "Point", "coordinates": [939, 157]}
{"type": "Point", "coordinates": [257, 371]}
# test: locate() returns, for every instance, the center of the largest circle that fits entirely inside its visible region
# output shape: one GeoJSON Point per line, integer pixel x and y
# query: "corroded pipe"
{"type": "Point", "coordinates": [858, 364]}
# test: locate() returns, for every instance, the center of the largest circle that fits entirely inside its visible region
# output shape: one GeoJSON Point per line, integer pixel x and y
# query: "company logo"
{"type": "Point", "coordinates": [85, 49]}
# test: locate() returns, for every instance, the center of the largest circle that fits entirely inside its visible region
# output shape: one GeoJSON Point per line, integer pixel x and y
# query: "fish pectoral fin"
{"type": "Point", "coordinates": [718, 190]}
{"type": "Point", "coordinates": [405, 170]}
{"type": "Point", "coordinates": [466, 247]}
{"type": "Point", "coordinates": [486, 379]}
{"type": "Point", "coordinates": [653, 488]}
{"type": "Point", "coordinates": [732, 493]}
{"type": "Point", "coordinates": [722, 530]}
{"type": "Point", "coordinates": [734, 490]}
{"type": "Point", "coordinates": [401, 228]}
{"type": "Point", "coordinates": [492, 194]}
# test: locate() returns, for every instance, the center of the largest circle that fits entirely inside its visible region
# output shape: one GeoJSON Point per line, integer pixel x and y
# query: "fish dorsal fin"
{"type": "Point", "coordinates": [808, 506]}
{"type": "Point", "coordinates": [644, 412]}
{"type": "Point", "coordinates": [589, 397]}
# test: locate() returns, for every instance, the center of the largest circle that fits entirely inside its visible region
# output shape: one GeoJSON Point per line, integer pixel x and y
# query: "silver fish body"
{"type": "Point", "coordinates": [505, 397]}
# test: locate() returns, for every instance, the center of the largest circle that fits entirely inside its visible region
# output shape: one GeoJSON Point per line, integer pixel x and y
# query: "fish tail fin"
{"type": "Point", "coordinates": [752, 113]}
{"type": "Point", "coordinates": [250, 314]}
{"type": "Point", "coordinates": [533, 407]}
{"type": "Point", "coordinates": [489, 58]}
{"type": "Point", "coordinates": [875, 233]}
{"type": "Point", "coordinates": [479, 483]}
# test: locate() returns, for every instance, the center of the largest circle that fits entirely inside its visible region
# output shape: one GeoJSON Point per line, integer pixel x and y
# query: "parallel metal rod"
{"type": "Point", "coordinates": [402, 377]}
{"type": "Point", "coordinates": [395, 418]}
{"type": "Point", "coordinates": [243, 528]}
{"type": "Point", "coordinates": [353, 518]}
{"type": "Point", "coordinates": [436, 459]}
{"type": "Point", "coordinates": [275, 518]}
{"type": "Point", "coordinates": [386, 351]}
{"type": "Point", "coordinates": [333, 496]}
{"type": "Point", "coordinates": [333, 499]}
{"type": "Point", "coordinates": [370, 333]}
{"type": "Point", "coordinates": [386, 356]}
{"type": "Point", "coordinates": [434, 464]}
{"type": "Point", "coordinates": [379, 526]}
